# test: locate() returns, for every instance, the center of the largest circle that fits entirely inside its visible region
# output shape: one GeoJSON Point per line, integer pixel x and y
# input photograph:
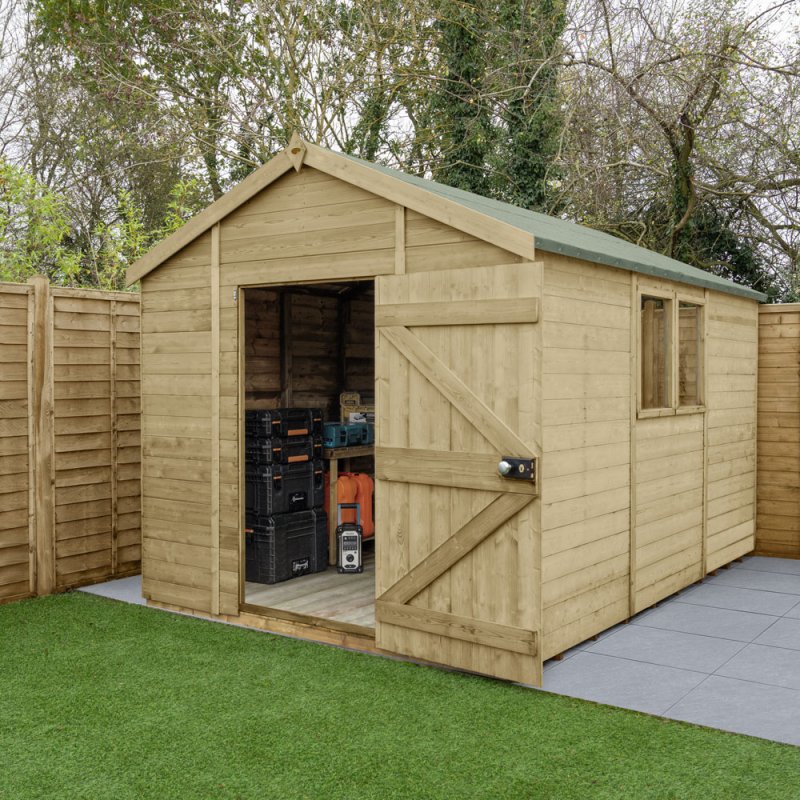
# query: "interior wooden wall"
{"type": "Point", "coordinates": [778, 520]}
{"type": "Point", "coordinates": [328, 346]}
{"type": "Point", "coordinates": [70, 438]}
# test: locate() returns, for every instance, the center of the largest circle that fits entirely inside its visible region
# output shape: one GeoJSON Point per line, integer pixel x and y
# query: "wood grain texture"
{"type": "Point", "coordinates": [442, 427]}
{"type": "Point", "coordinates": [462, 542]}
{"type": "Point", "coordinates": [482, 312]}
{"type": "Point", "coordinates": [453, 215]}
{"type": "Point", "coordinates": [79, 445]}
{"type": "Point", "coordinates": [778, 452]}
{"type": "Point", "coordinates": [453, 626]}
{"type": "Point", "coordinates": [18, 533]}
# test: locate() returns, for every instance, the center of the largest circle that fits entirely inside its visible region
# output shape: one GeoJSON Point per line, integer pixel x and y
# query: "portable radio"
{"type": "Point", "coordinates": [348, 540]}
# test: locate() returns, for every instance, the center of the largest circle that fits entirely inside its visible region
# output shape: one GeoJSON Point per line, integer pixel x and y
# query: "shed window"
{"type": "Point", "coordinates": [689, 354]}
{"type": "Point", "coordinates": [656, 352]}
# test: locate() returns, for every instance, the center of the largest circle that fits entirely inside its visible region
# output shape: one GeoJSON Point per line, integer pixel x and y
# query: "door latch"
{"type": "Point", "coordinates": [520, 469]}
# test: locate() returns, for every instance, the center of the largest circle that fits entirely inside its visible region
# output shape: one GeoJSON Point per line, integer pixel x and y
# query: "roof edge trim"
{"type": "Point", "coordinates": [713, 282]}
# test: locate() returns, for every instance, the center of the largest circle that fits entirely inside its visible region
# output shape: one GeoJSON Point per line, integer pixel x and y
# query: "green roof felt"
{"type": "Point", "coordinates": [555, 235]}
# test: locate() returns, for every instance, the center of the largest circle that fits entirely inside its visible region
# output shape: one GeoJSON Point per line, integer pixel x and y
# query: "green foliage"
{"type": "Point", "coordinates": [34, 230]}
{"type": "Point", "coordinates": [531, 111]}
{"type": "Point", "coordinates": [37, 236]}
{"type": "Point", "coordinates": [461, 113]}
{"type": "Point", "coordinates": [105, 700]}
{"type": "Point", "coordinates": [496, 111]}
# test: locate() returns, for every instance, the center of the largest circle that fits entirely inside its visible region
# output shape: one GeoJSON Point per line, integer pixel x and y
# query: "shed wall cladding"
{"type": "Point", "coordinates": [586, 420]}
{"type": "Point", "coordinates": [634, 509]}
{"type": "Point", "coordinates": [635, 504]}
{"type": "Point", "coordinates": [69, 437]}
{"type": "Point", "coordinates": [176, 428]}
{"type": "Point", "coordinates": [778, 529]}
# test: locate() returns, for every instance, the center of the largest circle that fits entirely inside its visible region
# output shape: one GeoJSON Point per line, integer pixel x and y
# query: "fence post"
{"type": "Point", "coordinates": [40, 344]}
{"type": "Point", "coordinates": [114, 436]}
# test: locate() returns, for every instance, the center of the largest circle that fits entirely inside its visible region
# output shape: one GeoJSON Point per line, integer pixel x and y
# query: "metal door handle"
{"type": "Point", "coordinates": [521, 469]}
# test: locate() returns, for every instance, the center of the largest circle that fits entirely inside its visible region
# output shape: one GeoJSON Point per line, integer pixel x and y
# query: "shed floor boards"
{"type": "Point", "coordinates": [329, 595]}
{"type": "Point", "coordinates": [724, 653]}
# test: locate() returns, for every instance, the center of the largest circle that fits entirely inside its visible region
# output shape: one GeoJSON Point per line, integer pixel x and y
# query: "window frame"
{"type": "Point", "coordinates": [701, 356]}
{"type": "Point", "coordinates": [674, 297]}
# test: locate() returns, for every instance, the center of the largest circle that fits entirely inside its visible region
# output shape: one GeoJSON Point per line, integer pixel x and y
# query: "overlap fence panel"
{"type": "Point", "coordinates": [778, 520]}
{"type": "Point", "coordinates": [69, 437]}
{"type": "Point", "coordinates": [17, 574]}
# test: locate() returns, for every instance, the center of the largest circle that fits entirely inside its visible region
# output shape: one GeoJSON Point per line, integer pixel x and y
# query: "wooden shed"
{"type": "Point", "coordinates": [625, 380]}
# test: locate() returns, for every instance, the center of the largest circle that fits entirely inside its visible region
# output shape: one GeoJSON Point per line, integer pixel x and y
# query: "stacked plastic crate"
{"type": "Point", "coordinates": [286, 526]}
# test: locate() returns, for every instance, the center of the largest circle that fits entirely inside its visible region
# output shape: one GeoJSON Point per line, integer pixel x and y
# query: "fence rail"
{"type": "Point", "coordinates": [69, 437]}
{"type": "Point", "coordinates": [778, 518]}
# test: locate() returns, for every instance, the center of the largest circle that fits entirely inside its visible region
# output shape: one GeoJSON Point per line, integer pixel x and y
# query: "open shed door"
{"type": "Point", "coordinates": [457, 367]}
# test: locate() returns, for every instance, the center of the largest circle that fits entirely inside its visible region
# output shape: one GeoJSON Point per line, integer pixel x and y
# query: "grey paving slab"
{"type": "Point", "coordinates": [128, 590]}
{"type": "Point", "coordinates": [785, 632]}
{"type": "Point", "coordinates": [722, 623]}
{"type": "Point", "coordinates": [756, 579]}
{"type": "Point", "coordinates": [788, 566]}
{"type": "Point", "coordinates": [794, 613]}
{"type": "Point", "coordinates": [736, 599]}
{"type": "Point", "coordinates": [619, 682]}
{"type": "Point", "coordinates": [760, 664]}
{"type": "Point", "coordinates": [668, 648]}
{"type": "Point", "coordinates": [771, 712]}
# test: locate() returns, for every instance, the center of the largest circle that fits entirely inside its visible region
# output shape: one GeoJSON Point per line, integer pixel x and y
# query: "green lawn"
{"type": "Point", "coordinates": [104, 700]}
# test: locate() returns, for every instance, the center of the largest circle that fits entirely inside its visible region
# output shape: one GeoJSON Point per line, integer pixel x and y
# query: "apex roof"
{"type": "Point", "coordinates": [508, 226]}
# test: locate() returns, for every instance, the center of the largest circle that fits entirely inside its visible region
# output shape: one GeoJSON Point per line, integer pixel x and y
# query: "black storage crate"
{"type": "Point", "coordinates": [283, 488]}
{"type": "Point", "coordinates": [286, 546]}
{"type": "Point", "coordinates": [260, 452]}
{"type": "Point", "coordinates": [283, 422]}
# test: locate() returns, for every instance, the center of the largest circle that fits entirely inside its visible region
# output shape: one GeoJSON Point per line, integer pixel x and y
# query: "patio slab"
{"type": "Point", "coordinates": [621, 682]}
{"type": "Point", "coordinates": [762, 664]}
{"type": "Point", "coordinates": [736, 599]}
{"type": "Point", "coordinates": [668, 648]}
{"type": "Point", "coordinates": [128, 590]}
{"type": "Point", "coordinates": [721, 623]}
{"type": "Point", "coordinates": [768, 712]}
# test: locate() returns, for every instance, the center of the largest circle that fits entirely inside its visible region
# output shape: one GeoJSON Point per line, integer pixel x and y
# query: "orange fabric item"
{"type": "Point", "coordinates": [346, 489]}
{"type": "Point", "coordinates": [365, 489]}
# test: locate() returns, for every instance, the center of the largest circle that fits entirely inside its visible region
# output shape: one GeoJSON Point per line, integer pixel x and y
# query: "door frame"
{"type": "Point", "coordinates": [306, 626]}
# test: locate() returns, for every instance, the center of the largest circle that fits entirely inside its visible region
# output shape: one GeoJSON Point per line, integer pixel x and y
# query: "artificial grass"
{"type": "Point", "coordinates": [104, 700]}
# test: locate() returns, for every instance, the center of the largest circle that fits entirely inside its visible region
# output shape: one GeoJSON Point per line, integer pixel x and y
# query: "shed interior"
{"type": "Point", "coordinates": [304, 345]}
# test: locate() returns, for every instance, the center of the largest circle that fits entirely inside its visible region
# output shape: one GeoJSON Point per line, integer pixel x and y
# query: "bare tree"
{"type": "Point", "coordinates": [682, 112]}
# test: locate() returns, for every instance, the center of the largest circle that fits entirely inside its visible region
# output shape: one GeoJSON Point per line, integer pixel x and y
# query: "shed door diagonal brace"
{"type": "Point", "coordinates": [392, 606]}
